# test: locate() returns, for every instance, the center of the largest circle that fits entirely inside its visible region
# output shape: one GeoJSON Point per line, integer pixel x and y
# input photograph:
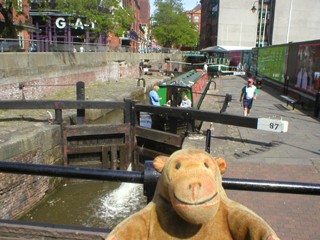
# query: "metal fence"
{"type": "Point", "coordinates": [23, 45]}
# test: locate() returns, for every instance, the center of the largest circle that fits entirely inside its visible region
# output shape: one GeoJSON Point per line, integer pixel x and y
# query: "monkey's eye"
{"type": "Point", "coordinates": [206, 164]}
{"type": "Point", "coordinates": [178, 165]}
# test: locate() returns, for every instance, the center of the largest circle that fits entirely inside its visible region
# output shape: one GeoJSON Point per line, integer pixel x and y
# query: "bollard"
{"type": "Point", "coordinates": [21, 86]}
{"type": "Point", "coordinates": [208, 141]}
{"type": "Point", "coordinates": [80, 96]}
{"type": "Point", "coordinates": [228, 98]}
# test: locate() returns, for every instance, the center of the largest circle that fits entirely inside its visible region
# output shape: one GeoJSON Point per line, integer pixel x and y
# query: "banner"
{"type": "Point", "coordinates": [308, 68]}
{"type": "Point", "coordinates": [272, 62]}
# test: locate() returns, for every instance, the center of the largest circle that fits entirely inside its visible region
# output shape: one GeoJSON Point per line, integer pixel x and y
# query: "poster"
{"type": "Point", "coordinates": [272, 62]}
{"type": "Point", "coordinates": [308, 68]}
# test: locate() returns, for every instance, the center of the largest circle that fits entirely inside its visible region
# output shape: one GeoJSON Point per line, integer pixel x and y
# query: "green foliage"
{"type": "Point", "coordinates": [8, 30]}
{"type": "Point", "coordinates": [171, 26]}
{"type": "Point", "coordinates": [106, 15]}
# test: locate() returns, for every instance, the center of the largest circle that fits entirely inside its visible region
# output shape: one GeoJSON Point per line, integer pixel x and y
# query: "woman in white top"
{"type": "Point", "coordinates": [186, 102]}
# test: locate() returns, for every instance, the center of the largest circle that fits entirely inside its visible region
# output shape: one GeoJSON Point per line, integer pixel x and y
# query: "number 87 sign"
{"type": "Point", "coordinates": [272, 125]}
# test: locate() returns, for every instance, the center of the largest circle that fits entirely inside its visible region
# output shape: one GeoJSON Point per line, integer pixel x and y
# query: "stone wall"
{"type": "Point", "coordinates": [41, 144]}
{"type": "Point", "coordinates": [56, 69]}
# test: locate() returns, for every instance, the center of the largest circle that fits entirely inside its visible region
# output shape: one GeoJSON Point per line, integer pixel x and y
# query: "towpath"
{"type": "Point", "coordinates": [293, 156]}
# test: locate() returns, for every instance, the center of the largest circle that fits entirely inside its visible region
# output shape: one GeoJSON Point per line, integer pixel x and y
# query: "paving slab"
{"type": "Point", "coordinates": [295, 160]}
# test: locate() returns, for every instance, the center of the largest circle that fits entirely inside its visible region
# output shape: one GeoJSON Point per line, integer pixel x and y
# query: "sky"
{"type": "Point", "coordinates": [187, 5]}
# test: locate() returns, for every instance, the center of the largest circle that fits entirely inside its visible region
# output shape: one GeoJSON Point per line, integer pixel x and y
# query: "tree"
{"type": "Point", "coordinates": [171, 26]}
{"type": "Point", "coordinates": [106, 15]}
{"type": "Point", "coordinates": [8, 29]}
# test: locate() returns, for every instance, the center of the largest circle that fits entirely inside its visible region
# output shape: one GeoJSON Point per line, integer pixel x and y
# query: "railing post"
{"type": "Point", "coordinates": [81, 119]}
{"type": "Point", "coordinates": [127, 110]}
{"type": "Point", "coordinates": [174, 97]}
{"type": "Point", "coordinates": [135, 116]}
{"type": "Point", "coordinates": [173, 125]}
{"type": "Point", "coordinates": [58, 116]}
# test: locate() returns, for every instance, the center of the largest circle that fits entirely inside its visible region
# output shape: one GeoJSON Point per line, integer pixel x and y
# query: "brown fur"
{"type": "Point", "coordinates": [190, 203]}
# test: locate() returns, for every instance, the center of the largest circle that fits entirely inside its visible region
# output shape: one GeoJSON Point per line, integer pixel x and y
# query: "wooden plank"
{"type": "Point", "coordinates": [84, 149]}
{"type": "Point", "coordinates": [159, 136]}
{"type": "Point", "coordinates": [114, 157]}
{"type": "Point", "coordinates": [98, 129]}
{"type": "Point", "coordinates": [58, 104]}
{"type": "Point", "coordinates": [153, 154]}
{"type": "Point", "coordinates": [123, 157]}
{"type": "Point", "coordinates": [64, 146]}
{"type": "Point", "coordinates": [105, 158]}
{"type": "Point", "coordinates": [289, 99]}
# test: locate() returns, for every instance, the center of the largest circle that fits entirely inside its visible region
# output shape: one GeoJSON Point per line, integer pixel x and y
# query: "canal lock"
{"type": "Point", "coordinates": [93, 203]}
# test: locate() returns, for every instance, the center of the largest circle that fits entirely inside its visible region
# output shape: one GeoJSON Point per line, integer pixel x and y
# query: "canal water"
{"type": "Point", "coordinates": [92, 203]}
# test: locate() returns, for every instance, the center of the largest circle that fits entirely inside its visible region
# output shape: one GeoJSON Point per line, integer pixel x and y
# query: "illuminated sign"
{"type": "Point", "coordinates": [61, 23]}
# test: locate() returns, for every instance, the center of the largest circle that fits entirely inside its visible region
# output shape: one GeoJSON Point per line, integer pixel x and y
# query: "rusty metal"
{"type": "Point", "coordinates": [143, 80]}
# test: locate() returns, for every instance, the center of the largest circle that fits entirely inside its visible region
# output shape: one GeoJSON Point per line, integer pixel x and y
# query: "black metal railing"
{"type": "Point", "coordinates": [150, 177]}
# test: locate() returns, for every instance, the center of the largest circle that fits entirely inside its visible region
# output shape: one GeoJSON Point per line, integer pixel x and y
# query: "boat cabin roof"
{"type": "Point", "coordinates": [187, 79]}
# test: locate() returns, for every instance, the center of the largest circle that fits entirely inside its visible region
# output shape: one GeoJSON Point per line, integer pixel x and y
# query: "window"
{"type": "Point", "coordinates": [20, 6]}
{"type": "Point", "coordinates": [196, 19]}
{"type": "Point", "coordinates": [21, 40]}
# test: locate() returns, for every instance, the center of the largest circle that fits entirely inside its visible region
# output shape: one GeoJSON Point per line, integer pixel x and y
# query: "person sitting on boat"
{"type": "Point", "coordinates": [205, 67]}
{"type": "Point", "coordinates": [186, 102]}
{"type": "Point", "coordinates": [154, 96]}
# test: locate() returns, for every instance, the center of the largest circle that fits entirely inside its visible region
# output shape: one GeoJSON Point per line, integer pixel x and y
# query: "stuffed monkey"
{"type": "Point", "coordinates": [190, 203]}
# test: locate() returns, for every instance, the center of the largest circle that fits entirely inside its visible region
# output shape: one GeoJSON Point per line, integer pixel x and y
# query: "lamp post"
{"type": "Point", "coordinates": [254, 9]}
{"type": "Point", "coordinates": [289, 21]}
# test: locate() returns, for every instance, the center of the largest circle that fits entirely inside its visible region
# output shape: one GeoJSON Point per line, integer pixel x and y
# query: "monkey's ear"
{"type": "Point", "coordinates": [222, 164]}
{"type": "Point", "coordinates": [159, 162]}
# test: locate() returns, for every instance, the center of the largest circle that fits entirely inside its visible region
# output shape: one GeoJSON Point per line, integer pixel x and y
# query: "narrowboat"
{"type": "Point", "coordinates": [194, 83]}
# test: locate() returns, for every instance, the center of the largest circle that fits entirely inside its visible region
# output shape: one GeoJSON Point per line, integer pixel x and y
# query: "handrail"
{"type": "Point", "coordinates": [149, 173]}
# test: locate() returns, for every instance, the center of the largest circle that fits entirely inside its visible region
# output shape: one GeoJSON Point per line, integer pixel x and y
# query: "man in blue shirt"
{"type": "Point", "coordinates": [154, 96]}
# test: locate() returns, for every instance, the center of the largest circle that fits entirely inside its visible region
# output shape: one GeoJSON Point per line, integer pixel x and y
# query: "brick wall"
{"type": "Point", "coordinates": [20, 192]}
{"type": "Point", "coordinates": [66, 68]}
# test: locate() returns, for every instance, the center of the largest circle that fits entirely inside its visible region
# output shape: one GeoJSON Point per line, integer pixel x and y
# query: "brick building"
{"type": "Point", "coordinates": [195, 15]}
{"type": "Point", "coordinates": [59, 27]}
{"type": "Point", "coordinates": [18, 19]}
